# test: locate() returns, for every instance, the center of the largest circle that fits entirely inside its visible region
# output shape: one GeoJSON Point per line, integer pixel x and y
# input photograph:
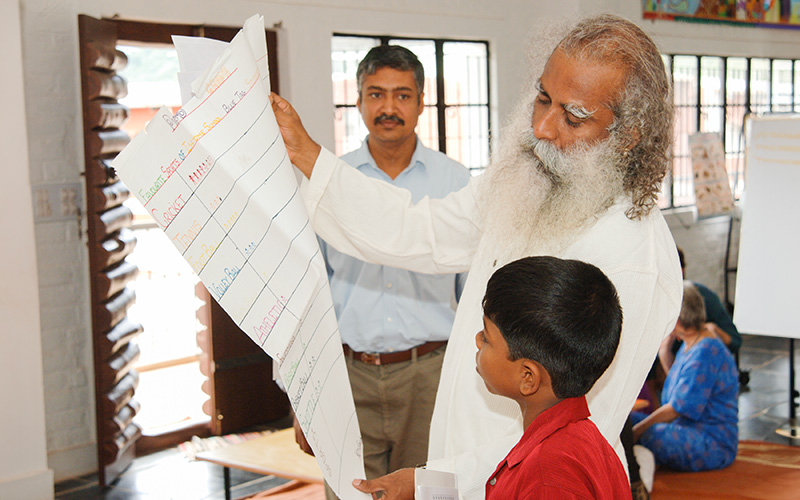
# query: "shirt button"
{"type": "Point", "coordinates": [389, 285]}
{"type": "Point", "coordinates": [389, 320]}
{"type": "Point", "coordinates": [492, 481]}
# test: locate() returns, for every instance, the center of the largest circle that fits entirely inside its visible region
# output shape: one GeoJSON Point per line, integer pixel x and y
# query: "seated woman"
{"type": "Point", "coordinates": [696, 427]}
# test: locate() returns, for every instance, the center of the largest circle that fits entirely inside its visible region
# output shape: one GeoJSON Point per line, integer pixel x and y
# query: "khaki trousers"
{"type": "Point", "coordinates": [394, 404]}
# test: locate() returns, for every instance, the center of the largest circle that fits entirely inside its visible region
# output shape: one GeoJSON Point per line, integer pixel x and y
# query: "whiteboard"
{"type": "Point", "coordinates": [768, 276]}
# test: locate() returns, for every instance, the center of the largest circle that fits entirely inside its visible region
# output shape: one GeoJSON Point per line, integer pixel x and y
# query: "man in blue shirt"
{"type": "Point", "coordinates": [394, 323]}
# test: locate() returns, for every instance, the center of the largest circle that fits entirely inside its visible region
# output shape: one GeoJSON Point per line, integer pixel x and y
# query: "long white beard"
{"type": "Point", "coordinates": [537, 199]}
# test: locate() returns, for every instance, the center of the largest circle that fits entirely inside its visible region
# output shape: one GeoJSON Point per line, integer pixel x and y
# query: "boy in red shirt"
{"type": "Point", "coordinates": [551, 328]}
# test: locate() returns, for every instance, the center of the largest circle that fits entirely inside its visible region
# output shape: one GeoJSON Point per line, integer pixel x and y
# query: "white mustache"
{"type": "Point", "coordinates": [553, 162]}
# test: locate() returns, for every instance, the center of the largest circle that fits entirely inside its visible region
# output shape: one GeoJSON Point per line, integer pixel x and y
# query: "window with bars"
{"type": "Point", "coordinates": [456, 116]}
{"type": "Point", "coordinates": [714, 94]}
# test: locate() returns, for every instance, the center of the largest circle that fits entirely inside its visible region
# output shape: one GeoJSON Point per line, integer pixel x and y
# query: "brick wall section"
{"type": "Point", "coordinates": [49, 40]}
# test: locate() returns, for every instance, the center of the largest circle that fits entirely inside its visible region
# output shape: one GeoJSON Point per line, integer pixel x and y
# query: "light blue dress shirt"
{"type": "Point", "coordinates": [386, 309]}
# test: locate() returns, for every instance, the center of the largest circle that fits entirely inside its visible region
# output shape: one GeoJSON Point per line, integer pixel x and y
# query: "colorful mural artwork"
{"type": "Point", "coordinates": [766, 13]}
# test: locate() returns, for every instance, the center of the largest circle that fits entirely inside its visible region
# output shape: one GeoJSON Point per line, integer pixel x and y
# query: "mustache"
{"type": "Point", "coordinates": [389, 118]}
{"type": "Point", "coordinates": [549, 159]}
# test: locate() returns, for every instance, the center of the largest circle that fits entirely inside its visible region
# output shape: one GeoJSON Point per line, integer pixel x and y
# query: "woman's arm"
{"type": "Point", "coordinates": [719, 332]}
{"type": "Point", "coordinates": [665, 355]}
{"type": "Point", "coordinates": [665, 413]}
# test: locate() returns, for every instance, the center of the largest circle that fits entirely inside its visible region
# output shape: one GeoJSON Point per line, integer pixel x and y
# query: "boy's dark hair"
{"type": "Point", "coordinates": [391, 56]}
{"type": "Point", "coordinates": [563, 314]}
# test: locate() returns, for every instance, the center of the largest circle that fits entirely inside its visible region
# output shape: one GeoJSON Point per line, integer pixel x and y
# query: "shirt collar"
{"type": "Point", "coordinates": [549, 421]}
{"type": "Point", "coordinates": [363, 159]}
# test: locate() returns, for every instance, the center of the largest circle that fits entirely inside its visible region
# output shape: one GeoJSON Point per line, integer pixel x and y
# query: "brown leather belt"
{"type": "Point", "coordinates": [387, 358]}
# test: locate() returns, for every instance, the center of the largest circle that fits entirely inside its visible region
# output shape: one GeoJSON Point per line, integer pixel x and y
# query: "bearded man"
{"type": "Point", "coordinates": [577, 177]}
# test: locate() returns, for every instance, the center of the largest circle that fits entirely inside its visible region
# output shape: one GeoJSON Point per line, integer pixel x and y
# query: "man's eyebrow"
{"type": "Point", "coordinates": [578, 111]}
{"type": "Point", "coordinates": [391, 89]}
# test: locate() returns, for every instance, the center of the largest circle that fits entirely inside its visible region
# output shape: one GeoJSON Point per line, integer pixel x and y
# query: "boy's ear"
{"type": "Point", "coordinates": [531, 377]}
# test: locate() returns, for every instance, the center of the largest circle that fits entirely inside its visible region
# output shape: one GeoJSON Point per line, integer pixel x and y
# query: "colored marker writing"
{"type": "Point", "coordinates": [219, 288]}
{"type": "Point", "coordinates": [167, 216]}
{"type": "Point", "coordinates": [200, 172]}
{"type": "Point", "coordinates": [238, 96]}
{"type": "Point", "coordinates": [174, 120]}
{"type": "Point", "coordinates": [148, 193]}
{"type": "Point", "coordinates": [268, 323]}
{"type": "Point", "coordinates": [183, 240]}
{"type": "Point", "coordinates": [206, 251]}
{"type": "Point", "coordinates": [218, 80]}
{"type": "Point", "coordinates": [229, 223]}
{"type": "Point", "coordinates": [206, 128]}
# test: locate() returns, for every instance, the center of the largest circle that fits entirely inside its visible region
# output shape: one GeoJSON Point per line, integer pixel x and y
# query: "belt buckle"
{"type": "Point", "coordinates": [371, 358]}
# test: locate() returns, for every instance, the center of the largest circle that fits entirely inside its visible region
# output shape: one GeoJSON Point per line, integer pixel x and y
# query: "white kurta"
{"type": "Point", "coordinates": [472, 430]}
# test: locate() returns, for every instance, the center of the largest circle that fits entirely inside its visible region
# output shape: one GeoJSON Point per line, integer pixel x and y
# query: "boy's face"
{"type": "Point", "coordinates": [494, 363]}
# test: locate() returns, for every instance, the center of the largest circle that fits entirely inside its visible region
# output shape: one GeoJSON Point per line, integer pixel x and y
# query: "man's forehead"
{"type": "Point", "coordinates": [389, 74]}
{"type": "Point", "coordinates": [580, 81]}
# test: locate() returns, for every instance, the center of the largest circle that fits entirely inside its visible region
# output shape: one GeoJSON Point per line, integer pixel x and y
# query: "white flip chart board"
{"type": "Point", "coordinates": [216, 178]}
{"type": "Point", "coordinates": [768, 276]}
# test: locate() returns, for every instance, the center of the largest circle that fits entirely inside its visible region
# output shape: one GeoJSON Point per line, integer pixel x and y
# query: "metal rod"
{"type": "Point", "coordinates": [226, 476]}
{"type": "Point", "coordinates": [792, 393]}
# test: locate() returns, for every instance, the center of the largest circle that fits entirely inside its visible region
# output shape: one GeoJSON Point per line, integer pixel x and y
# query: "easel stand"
{"type": "Point", "coordinates": [793, 431]}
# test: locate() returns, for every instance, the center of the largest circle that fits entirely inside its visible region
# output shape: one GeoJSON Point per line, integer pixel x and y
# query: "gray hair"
{"type": "Point", "coordinates": [693, 308]}
{"type": "Point", "coordinates": [391, 56]}
{"type": "Point", "coordinates": [643, 111]}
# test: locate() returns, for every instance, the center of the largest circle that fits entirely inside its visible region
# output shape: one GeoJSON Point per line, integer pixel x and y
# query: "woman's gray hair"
{"type": "Point", "coordinates": [693, 308]}
{"type": "Point", "coordinates": [643, 111]}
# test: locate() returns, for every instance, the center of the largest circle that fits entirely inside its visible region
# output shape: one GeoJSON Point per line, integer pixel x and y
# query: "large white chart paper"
{"type": "Point", "coordinates": [216, 178]}
{"type": "Point", "coordinates": [768, 269]}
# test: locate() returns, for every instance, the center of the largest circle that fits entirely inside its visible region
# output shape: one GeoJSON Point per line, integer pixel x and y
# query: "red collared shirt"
{"type": "Point", "coordinates": [562, 455]}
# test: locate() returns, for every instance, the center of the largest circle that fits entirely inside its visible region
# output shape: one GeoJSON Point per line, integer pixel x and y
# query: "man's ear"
{"type": "Point", "coordinates": [531, 374]}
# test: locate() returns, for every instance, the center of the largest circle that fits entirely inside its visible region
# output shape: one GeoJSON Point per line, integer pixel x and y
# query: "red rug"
{"type": "Point", "coordinates": [761, 471]}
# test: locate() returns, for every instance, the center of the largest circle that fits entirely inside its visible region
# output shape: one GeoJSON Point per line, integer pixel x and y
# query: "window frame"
{"type": "Point", "coordinates": [734, 152]}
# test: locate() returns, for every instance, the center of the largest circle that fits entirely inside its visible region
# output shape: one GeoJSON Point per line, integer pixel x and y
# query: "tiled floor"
{"type": "Point", "coordinates": [168, 475]}
{"type": "Point", "coordinates": [764, 403]}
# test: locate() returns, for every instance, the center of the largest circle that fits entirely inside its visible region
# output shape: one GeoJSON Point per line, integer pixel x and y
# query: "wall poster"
{"type": "Point", "coordinates": [763, 13]}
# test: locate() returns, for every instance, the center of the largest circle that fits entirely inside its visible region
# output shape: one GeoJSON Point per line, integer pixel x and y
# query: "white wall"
{"type": "Point", "coordinates": [23, 454]}
{"type": "Point", "coordinates": [50, 58]}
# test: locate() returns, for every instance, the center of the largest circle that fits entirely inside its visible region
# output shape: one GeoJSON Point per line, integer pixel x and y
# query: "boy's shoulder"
{"type": "Point", "coordinates": [578, 458]}
{"type": "Point", "coordinates": [573, 458]}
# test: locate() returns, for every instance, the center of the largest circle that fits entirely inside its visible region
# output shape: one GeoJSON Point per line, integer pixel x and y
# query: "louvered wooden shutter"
{"type": "Point", "coordinates": [110, 241]}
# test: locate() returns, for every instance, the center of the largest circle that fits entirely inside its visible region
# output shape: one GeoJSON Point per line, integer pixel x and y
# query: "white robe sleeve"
{"type": "Point", "coordinates": [377, 222]}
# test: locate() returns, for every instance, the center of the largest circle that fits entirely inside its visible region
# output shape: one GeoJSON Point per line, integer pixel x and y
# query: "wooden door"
{"type": "Point", "coordinates": [242, 392]}
{"type": "Point", "coordinates": [110, 241]}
